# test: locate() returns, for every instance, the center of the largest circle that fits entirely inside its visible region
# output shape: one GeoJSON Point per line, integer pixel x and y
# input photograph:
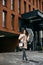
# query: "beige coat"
{"type": "Point", "coordinates": [24, 39]}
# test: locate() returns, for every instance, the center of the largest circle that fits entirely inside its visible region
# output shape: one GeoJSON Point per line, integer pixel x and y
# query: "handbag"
{"type": "Point", "coordinates": [20, 44]}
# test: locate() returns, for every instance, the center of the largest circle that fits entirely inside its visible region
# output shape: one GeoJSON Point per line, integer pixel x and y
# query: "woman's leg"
{"type": "Point", "coordinates": [24, 54]}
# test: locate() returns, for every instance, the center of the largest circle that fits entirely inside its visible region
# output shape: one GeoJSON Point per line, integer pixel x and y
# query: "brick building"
{"type": "Point", "coordinates": [42, 5]}
{"type": "Point", "coordinates": [10, 13]}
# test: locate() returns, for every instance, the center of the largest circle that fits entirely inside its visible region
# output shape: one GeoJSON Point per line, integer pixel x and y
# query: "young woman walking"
{"type": "Point", "coordinates": [24, 38]}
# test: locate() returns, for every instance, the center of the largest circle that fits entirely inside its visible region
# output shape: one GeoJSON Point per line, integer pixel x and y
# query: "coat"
{"type": "Point", "coordinates": [23, 38]}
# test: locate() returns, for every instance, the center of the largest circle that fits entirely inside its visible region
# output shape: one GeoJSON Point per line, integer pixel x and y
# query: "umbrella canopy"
{"type": "Point", "coordinates": [31, 34]}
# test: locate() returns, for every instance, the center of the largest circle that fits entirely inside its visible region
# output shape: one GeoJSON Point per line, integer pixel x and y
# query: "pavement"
{"type": "Point", "coordinates": [15, 58]}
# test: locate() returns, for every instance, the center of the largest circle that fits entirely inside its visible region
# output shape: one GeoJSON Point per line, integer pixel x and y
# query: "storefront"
{"type": "Point", "coordinates": [8, 41]}
{"type": "Point", "coordinates": [34, 21]}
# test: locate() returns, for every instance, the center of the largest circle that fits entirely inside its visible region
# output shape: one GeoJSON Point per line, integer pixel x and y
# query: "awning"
{"type": "Point", "coordinates": [7, 34]}
{"type": "Point", "coordinates": [33, 16]}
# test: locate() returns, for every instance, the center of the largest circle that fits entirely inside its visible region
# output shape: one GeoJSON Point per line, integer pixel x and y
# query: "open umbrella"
{"type": "Point", "coordinates": [31, 34]}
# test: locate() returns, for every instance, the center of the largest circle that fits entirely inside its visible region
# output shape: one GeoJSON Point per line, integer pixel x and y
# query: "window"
{"type": "Point", "coordinates": [12, 21]}
{"type": "Point", "coordinates": [33, 2]}
{"type": "Point", "coordinates": [4, 2]}
{"type": "Point", "coordinates": [20, 24]}
{"type": "Point", "coordinates": [37, 3]}
{"type": "Point", "coordinates": [4, 19]}
{"type": "Point", "coordinates": [19, 6]}
{"type": "Point", "coordinates": [24, 7]}
{"type": "Point", "coordinates": [40, 4]}
{"type": "Point", "coordinates": [29, 8]}
{"type": "Point", "coordinates": [12, 4]}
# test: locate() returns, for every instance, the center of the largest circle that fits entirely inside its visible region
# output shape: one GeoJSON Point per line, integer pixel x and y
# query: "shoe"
{"type": "Point", "coordinates": [27, 60]}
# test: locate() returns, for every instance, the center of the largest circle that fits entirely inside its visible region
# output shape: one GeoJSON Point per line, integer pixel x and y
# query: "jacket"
{"type": "Point", "coordinates": [23, 38]}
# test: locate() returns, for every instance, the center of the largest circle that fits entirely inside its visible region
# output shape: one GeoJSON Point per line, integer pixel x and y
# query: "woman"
{"type": "Point", "coordinates": [24, 38]}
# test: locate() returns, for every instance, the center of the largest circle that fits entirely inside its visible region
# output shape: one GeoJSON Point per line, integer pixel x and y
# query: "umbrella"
{"type": "Point", "coordinates": [30, 31]}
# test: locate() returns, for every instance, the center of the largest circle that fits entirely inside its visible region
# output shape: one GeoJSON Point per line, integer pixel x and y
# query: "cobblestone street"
{"type": "Point", "coordinates": [15, 58]}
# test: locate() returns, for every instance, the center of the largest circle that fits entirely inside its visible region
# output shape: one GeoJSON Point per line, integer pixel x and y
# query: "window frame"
{"type": "Point", "coordinates": [29, 8]}
{"type": "Point", "coordinates": [24, 7]}
{"type": "Point", "coordinates": [19, 6]}
{"type": "Point", "coordinates": [12, 4]}
{"type": "Point", "coordinates": [4, 17]}
{"type": "Point", "coordinates": [33, 2]}
{"type": "Point", "coordinates": [4, 2]}
{"type": "Point", "coordinates": [12, 21]}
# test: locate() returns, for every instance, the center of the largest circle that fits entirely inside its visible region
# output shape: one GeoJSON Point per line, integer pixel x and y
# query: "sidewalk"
{"type": "Point", "coordinates": [15, 58]}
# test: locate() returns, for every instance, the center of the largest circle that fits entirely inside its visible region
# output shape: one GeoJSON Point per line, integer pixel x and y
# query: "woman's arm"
{"type": "Point", "coordinates": [28, 38]}
{"type": "Point", "coordinates": [20, 36]}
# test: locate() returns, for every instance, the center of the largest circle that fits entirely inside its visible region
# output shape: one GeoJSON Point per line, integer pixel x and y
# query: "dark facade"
{"type": "Point", "coordinates": [10, 13]}
{"type": "Point", "coordinates": [34, 21]}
